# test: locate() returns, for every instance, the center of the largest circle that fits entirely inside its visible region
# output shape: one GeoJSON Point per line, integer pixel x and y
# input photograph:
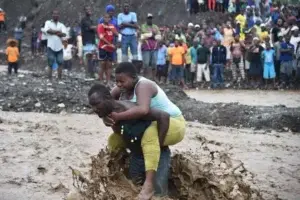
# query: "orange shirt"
{"type": "Point", "coordinates": [2, 16]}
{"type": "Point", "coordinates": [176, 54]}
{"type": "Point", "coordinates": [12, 54]}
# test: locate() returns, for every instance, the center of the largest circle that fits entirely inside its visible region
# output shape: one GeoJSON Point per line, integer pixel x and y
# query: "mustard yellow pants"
{"type": "Point", "coordinates": [150, 141]}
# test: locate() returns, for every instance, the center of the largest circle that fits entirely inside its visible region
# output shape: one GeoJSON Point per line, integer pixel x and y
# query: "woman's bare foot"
{"type": "Point", "coordinates": [147, 192]}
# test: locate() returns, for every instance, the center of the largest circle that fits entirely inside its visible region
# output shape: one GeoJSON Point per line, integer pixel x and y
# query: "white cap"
{"type": "Point", "coordinates": [255, 38]}
{"type": "Point", "coordinates": [197, 26]}
{"type": "Point", "coordinates": [263, 25]}
{"type": "Point", "coordinates": [149, 15]}
{"type": "Point", "coordinates": [190, 25]}
{"type": "Point", "coordinates": [294, 28]}
{"type": "Point", "coordinates": [1, 10]}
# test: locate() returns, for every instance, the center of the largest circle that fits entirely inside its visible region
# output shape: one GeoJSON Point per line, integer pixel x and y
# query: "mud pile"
{"type": "Point", "coordinates": [215, 180]}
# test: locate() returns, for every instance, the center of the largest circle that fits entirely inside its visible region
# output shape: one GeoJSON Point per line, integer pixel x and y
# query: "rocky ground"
{"type": "Point", "coordinates": [32, 92]}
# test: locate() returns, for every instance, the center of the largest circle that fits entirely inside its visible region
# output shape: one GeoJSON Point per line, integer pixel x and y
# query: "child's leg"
{"type": "Point", "coordinates": [16, 67]}
{"type": "Point", "coordinates": [9, 67]}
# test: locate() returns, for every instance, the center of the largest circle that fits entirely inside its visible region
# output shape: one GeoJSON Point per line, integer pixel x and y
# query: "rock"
{"type": "Point", "coordinates": [38, 105]}
{"type": "Point", "coordinates": [74, 195]}
{"type": "Point", "coordinates": [61, 105]}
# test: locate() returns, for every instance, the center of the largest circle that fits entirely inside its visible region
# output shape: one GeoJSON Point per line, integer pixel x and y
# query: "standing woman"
{"type": "Point", "coordinates": [146, 94]}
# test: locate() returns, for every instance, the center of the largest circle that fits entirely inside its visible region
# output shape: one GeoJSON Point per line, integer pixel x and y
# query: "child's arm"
{"type": "Point", "coordinates": [163, 121]}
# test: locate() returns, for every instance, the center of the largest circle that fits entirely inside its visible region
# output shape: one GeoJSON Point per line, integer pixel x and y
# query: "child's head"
{"type": "Point", "coordinates": [101, 100]}
{"type": "Point", "coordinates": [12, 43]}
{"type": "Point", "coordinates": [65, 42]}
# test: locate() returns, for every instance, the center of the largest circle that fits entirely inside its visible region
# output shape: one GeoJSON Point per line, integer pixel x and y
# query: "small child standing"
{"type": "Point", "coordinates": [268, 59]}
{"type": "Point", "coordinates": [67, 50]}
{"type": "Point", "coordinates": [162, 68]}
{"type": "Point", "coordinates": [12, 53]}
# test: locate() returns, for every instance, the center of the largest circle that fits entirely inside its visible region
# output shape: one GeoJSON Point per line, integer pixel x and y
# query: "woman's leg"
{"type": "Point", "coordinates": [151, 149]}
{"type": "Point", "coordinates": [115, 143]}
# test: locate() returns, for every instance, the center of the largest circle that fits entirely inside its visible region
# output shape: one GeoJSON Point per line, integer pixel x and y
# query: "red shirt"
{"type": "Point", "coordinates": [106, 32]}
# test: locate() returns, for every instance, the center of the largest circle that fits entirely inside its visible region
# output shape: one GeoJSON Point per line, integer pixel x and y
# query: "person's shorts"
{"type": "Point", "coordinates": [269, 71]}
{"type": "Point", "coordinates": [105, 55]}
{"type": "Point", "coordinates": [88, 49]}
{"type": "Point", "coordinates": [162, 70]}
{"type": "Point", "coordinates": [54, 56]}
{"type": "Point", "coordinates": [149, 58]}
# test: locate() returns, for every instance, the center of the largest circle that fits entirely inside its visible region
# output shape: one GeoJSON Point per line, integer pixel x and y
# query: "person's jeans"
{"type": "Point", "coordinates": [286, 70]}
{"type": "Point", "coordinates": [218, 75]}
{"type": "Point", "coordinates": [176, 73]}
{"type": "Point", "coordinates": [137, 170]}
{"type": "Point", "coordinates": [150, 58]}
{"type": "Point", "coordinates": [131, 42]}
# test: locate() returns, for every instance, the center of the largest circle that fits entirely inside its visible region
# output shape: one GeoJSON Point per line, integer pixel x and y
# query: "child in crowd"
{"type": "Point", "coordinates": [162, 68]}
{"type": "Point", "coordinates": [12, 54]}
{"type": "Point", "coordinates": [268, 61]}
{"type": "Point", "coordinates": [67, 51]}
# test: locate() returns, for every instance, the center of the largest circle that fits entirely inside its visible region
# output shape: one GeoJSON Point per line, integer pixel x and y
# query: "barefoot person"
{"type": "Point", "coordinates": [147, 95]}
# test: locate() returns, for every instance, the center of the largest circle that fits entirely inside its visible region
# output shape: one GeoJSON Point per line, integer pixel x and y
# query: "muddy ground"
{"type": "Point", "coordinates": [32, 92]}
{"type": "Point", "coordinates": [37, 149]}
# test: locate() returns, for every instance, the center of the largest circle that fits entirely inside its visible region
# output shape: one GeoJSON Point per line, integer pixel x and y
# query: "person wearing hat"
{"type": "Point", "coordinates": [127, 22]}
{"type": "Point", "coordinates": [286, 57]}
{"type": "Point", "coordinates": [295, 39]}
{"type": "Point", "coordinates": [2, 20]}
{"type": "Point", "coordinates": [150, 36]}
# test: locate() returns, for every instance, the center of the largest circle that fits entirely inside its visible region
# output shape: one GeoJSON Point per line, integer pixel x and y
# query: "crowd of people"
{"type": "Point", "coordinates": [257, 44]}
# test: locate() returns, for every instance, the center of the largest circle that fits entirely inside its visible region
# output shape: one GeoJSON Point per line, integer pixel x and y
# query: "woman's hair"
{"type": "Point", "coordinates": [127, 68]}
{"type": "Point", "coordinates": [97, 93]}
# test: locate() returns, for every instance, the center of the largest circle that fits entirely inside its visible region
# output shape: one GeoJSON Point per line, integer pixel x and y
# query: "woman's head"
{"type": "Point", "coordinates": [126, 76]}
{"type": "Point", "coordinates": [101, 100]}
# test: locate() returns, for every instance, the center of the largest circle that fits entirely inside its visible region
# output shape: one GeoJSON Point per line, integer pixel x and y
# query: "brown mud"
{"type": "Point", "coordinates": [189, 180]}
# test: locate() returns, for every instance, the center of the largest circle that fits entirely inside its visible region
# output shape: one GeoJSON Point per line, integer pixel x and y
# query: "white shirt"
{"type": "Point", "coordinates": [294, 41]}
{"type": "Point", "coordinates": [55, 42]}
{"type": "Point", "coordinates": [68, 52]}
{"type": "Point", "coordinates": [44, 34]}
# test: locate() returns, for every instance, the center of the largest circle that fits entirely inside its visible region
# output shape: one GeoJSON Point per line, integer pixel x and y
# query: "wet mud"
{"type": "Point", "coordinates": [189, 180]}
{"type": "Point", "coordinates": [32, 92]}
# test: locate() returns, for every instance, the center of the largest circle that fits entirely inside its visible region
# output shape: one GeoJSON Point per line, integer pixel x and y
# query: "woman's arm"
{"type": "Point", "coordinates": [145, 90]}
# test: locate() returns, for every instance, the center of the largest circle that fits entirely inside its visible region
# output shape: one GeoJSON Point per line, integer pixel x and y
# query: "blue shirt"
{"type": "Point", "coordinates": [113, 21]}
{"type": "Point", "coordinates": [161, 55]}
{"type": "Point", "coordinates": [194, 54]}
{"type": "Point", "coordinates": [18, 33]}
{"type": "Point", "coordinates": [250, 22]}
{"type": "Point", "coordinates": [129, 18]}
{"type": "Point", "coordinates": [286, 56]}
{"type": "Point", "coordinates": [268, 56]}
{"type": "Point", "coordinates": [275, 16]}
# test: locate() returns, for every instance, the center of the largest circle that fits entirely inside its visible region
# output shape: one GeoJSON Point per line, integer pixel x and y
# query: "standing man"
{"type": "Point", "coordinates": [127, 22]}
{"type": "Point", "coordinates": [219, 59]}
{"type": "Point", "coordinates": [88, 32]}
{"type": "Point", "coordinates": [2, 20]}
{"type": "Point", "coordinates": [150, 39]}
{"type": "Point", "coordinates": [55, 32]}
{"type": "Point", "coordinates": [106, 33]}
{"type": "Point", "coordinates": [19, 34]}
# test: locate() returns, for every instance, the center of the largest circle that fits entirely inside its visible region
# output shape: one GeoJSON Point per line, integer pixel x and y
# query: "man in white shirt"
{"type": "Point", "coordinates": [295, 39]}
{"type": "Point", "coordinates": [55, 32]}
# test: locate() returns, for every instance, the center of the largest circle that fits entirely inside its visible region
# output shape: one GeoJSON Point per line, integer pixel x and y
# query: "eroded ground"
{"type": "Point", "coordinates": [37, 149]}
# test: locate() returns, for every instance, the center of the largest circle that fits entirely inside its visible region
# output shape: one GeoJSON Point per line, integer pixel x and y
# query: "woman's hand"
{"type": "Point", "coordinates": [108, 121]}
{"type": "Point", "coordinates": [114, 116]}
